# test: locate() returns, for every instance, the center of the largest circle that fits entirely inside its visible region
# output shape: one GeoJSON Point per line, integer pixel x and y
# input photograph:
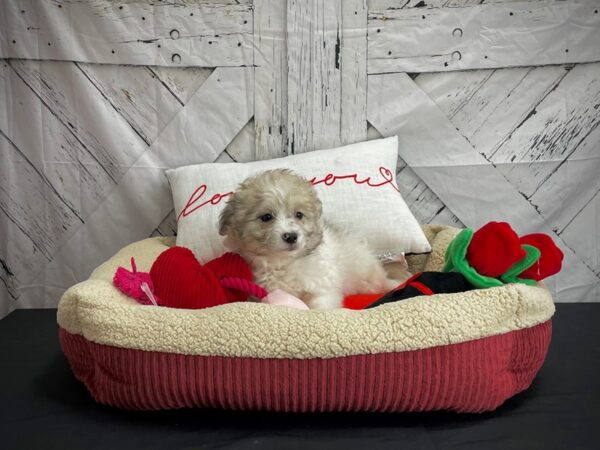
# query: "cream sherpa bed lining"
{"type": "Point", "coordinates": [100, 313]}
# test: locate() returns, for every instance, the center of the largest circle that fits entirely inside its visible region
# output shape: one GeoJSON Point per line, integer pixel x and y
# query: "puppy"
{"type": "Point", "coordinates": [274, 220]}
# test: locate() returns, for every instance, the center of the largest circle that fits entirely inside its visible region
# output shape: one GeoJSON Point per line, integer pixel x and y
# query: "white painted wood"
{"type": "Point", "coordinates": [142, 197]}
{"type": "Point", "coordinates": [582, 234]}
{"type": "Point", "coordinates": [326, 78]}
{"type": "Point", "coordinates": [314, 80]}
{"type": "Point", "coordinates": [182, 82]}
{"type": "Point", "coordinates": [421, 200]}
{"type": "Point", "coordinates": [135, 94]}
{"type": "Point", "coordinates": [453, 171]}
{"type": "Point", "coordinates": [554, 130]}
{"type": "Point", "coordinates": [353, 70]}
{"type": "Point", "coordinates": [378, 5]}
{"type": "Point", "coordinates": [483, 36]}
{"type": "Point", "coordinates": [270, 78]}
{"type": "Point", "coordinates": [129, 32]}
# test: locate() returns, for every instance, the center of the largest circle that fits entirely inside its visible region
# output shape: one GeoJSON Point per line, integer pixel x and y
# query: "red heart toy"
{"type": "Point", "coordinates": [180, 281]}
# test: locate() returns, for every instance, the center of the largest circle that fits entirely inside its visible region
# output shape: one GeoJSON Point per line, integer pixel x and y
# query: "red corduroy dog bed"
{"type": "Point", "coordinates": [463, 352]}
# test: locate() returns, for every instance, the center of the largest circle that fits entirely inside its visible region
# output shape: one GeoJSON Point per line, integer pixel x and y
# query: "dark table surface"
{"type": "Point", "coordinates": [43, 406]}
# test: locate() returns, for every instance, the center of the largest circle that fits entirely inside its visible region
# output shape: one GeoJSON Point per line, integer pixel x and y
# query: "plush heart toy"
{"type": "Point", "coordinates": [178, 280]}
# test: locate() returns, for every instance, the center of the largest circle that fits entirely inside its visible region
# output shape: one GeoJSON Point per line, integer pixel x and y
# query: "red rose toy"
{"type": "Point", "coordinates": [494, 255]}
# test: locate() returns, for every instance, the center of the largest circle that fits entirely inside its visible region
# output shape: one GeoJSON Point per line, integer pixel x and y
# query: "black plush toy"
{"type": "Point", "coordinates": [426, 283]}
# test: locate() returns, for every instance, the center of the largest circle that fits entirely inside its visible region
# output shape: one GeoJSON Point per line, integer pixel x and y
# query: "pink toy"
{"type": "Point", "coordinates": [137, 285]}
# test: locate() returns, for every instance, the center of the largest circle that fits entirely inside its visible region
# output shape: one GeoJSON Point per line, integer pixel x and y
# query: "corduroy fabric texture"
{"type": "Point", "coordinates": [472, 376]}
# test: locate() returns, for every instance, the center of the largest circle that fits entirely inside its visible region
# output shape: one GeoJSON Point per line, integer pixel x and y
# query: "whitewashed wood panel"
{"type": "Point", "coordinates": [353, 71]}
{"type": "Point", "coordinates": [175, 33]}
{"type": "Point", "coordinates": [135, 95]}
{"type": "Point", "coordinates": [483, 36]}
{"type": "Point", "coordinates": [562, 121]}
{"type": "Point", "coordinates": [181, 82]}
{"type": "Point", "coordinates": [314, 77]}
{"type": "Point", "coordinates": [68, 94]}
{"type": "Point", "coordinates": [270, 78]}
{"type": "Point", "coordinates": [488, 105]}
{"type": "Point", "coordinates": [460, 176]}
{"type": "Point", "coordinates": [421, 200]}
{"type": "Point", "coordinates": [582, 234]}
{"type": "Point", "coordinates": [142, 198]}
{"type": "Point", "coordinates": [325, 108]}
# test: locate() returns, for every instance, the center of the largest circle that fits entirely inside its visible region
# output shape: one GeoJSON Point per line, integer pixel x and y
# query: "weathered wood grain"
{"type": "Point", "coordinates": [482, 36]}
{"type": "Point", "coordinates": [323, 38]}
{"type": "Point", "coordinates": [314, 78]}
{"type": "Point", "coordinates": [582, 235]}
{"type": "Point", "coordinates": [396, 105]}
{"type": "Point", "coordinates": [68, 94]}
{"type": "Point", "coordinates": [421, 200]}
{"type": "Point", "coordinates": [142, 196]}
{"type": "Point", "coordinates": [353, 60]}
{"type": "Point", "coordinates": [270, 78]}
{"type": "Point", "coordinates": [174, 33]}
{"type": "Point", "coordinates": [181, 82]}
{"type": "Point", "coordinates": [488, 105]}
{"type": "Point", "coordinates": [554, 130]}
{"type": "Point", "coordinates": [135, 94]}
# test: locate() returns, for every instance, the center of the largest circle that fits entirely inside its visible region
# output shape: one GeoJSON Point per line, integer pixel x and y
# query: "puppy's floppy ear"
{"type": "Point", "coordinates": [226, 216]}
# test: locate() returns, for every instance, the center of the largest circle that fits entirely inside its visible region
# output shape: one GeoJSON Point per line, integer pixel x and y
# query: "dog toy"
{"type": "Point", "coordinates": [422, 283]}
{"type": "Point", "coordinates": [178, 280]}
{"type": "Point", "coordinates": [491, 256]}
{"type": "Point", "coordinates": [495, 255]}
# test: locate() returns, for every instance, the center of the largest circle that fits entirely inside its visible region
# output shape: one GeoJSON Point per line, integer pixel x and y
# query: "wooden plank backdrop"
{"type": "Point", "coordinates": [97, 98]}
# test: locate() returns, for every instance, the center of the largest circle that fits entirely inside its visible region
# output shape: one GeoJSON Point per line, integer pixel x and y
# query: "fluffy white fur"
{"type": "Point", "coordinates": [274, 220]}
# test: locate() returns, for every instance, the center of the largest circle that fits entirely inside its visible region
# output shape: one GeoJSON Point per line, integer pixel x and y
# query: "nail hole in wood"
{"type": "Point", "coordinates": [120, 7]}
{"type": "Point", "coordinates": [379, 30]}
{"type": "Point", "coordinates": [446, 64]}
{"type": "Point", "coordinates": [566, 50]}
{"type": "Point", "coordinates": [422, 17]}
{"type": "Point", "coordinates": [112, 51]}
{"type": "Point", "coordinates": [49, 44]}
{"type": "Point", "coordinates": [510, 14]}
{"type": "Point", "coordinates": [143, 18]}
{"type": "Point", "coordinates": [239, 44]}
{"type": "Point", "coordinates": [245, 21]}
{"type": "Point", "coordinates": [390, 52]}
{"type": "Point", "coordinates": [209, 42]}
{"type": "Point", "coordinates": [485, 56]}
{"type": "Point", "coordinates": [14, 42]}
{"type": "Point", "coordinates": [22, 11]}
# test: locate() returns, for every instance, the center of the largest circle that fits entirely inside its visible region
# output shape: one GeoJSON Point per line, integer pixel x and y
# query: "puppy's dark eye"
{"type": "Point", "coordinates": [266, 217]}
{"type": "Point", "coordinates": [299, 215]}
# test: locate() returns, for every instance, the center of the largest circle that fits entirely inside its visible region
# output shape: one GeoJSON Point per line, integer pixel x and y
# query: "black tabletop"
{"type": "Point", "coordinates": [43, 406]}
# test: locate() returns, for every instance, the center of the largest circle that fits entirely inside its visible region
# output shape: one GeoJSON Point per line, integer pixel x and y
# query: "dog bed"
{"type": "Point", "coordinates": [466, 352]}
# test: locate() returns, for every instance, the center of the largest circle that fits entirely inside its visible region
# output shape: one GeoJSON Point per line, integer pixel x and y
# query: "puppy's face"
{"type": "Point", "coordinates": [275, 213]}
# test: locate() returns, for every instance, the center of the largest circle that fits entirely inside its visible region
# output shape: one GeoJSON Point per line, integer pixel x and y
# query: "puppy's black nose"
{"type": "Point", "coordinates": [290, 238]}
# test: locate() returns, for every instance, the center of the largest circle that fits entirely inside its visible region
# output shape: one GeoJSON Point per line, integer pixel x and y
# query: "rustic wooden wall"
{"type": "Point", "coordinates": [496, 104]}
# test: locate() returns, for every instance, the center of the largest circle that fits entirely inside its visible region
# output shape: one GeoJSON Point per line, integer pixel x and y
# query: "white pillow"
{"type": "Point", "coordinates": [356, 184]}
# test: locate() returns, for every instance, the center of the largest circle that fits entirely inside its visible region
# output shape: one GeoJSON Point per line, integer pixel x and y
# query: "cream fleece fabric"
{"type": "Point", "coordinates": [100, 313]}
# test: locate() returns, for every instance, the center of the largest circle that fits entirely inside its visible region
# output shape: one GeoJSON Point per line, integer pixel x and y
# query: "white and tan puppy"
{"type": "Point", "coordinates": [274, 220]}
